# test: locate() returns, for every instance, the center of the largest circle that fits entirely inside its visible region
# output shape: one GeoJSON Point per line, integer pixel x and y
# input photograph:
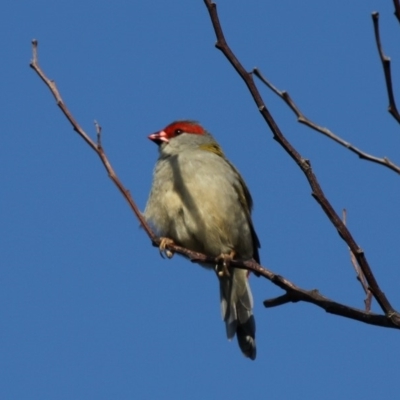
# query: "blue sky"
{"type": "Point", "coordinates": [88, 309]}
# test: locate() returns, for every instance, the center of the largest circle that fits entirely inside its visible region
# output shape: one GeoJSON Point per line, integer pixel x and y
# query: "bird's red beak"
{"type": "Point", "coordinates": [159, 137]}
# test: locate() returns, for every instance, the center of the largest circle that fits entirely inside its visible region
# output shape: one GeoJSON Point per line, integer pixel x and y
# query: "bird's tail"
{"type": "Point", "coordinates": [236, 307]}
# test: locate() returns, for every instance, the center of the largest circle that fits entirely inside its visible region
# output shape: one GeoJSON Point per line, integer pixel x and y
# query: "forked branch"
{"type": "Point", "coordinates": [325, 131]}
{"type": "Point", "coordinates": [305, 166]}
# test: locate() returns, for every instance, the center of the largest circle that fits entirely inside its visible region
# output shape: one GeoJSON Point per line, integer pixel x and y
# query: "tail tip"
{"type": "Point", "coordinates": [247, 344]}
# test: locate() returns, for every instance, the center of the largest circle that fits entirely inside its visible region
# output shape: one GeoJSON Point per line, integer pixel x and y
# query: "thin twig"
{"type": "Point", "coordinates": [304, 164]}
{"type": "Point", "coordinates": [325, 131]}
{"type": "Point", "coordinates": [386, 69]}
{"type": "Point", "coordinates": [396, 4]}
{"type": "Point", "coordinates": [98, 132]}
{"type": "Point", "coordinates": [331, 307]}
{"type": "Point", "coordinates": [96, 147]}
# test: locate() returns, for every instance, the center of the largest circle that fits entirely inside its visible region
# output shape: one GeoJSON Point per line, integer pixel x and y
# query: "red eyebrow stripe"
{"type": "Point", "coordinates": [185, 126]}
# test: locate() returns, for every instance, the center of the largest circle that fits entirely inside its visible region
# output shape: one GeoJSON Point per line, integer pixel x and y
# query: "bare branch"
{"type": "Point", "coordinates": [96, 147]}
{"type": "Point", "coordinates": [295, 293]}
{"type": "Point", "coordinates": [331, 307]}
{"type": "Point", "coordinates": [325, 131]}
{"type": "Point", "coordinates": [304, 164]}
{"type": "Point", "coordinates": [386, 69]}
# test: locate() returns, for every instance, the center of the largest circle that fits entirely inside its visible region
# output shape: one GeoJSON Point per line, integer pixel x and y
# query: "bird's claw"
{"type": "Point", "coordinates": [223, 261]}
{"type": "Point", "coordinates": [163, 247]}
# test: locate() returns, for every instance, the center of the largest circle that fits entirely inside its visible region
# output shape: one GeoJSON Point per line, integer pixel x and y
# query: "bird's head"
{"type": "Point", "coordinates": [176, 129]}
{"type": "Point", "coordinates": [183, 135]}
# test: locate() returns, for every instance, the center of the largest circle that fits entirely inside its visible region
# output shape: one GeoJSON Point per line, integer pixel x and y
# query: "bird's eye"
{"type": "Point", "coordinates": [178, 131]}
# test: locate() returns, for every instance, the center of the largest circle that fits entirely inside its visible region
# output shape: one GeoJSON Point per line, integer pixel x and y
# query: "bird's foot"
{"type": "Point", "coordinates": [223, 261]}
{"type": "Point", "coordinates": [163, 247]}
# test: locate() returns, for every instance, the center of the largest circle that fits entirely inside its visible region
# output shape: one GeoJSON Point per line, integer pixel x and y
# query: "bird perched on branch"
{"type": "Point", "coordinates": [198, 200]}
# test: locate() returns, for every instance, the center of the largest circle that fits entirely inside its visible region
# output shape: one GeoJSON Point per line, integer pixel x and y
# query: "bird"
{"type": "Point", "coordinates": [199, 200]}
